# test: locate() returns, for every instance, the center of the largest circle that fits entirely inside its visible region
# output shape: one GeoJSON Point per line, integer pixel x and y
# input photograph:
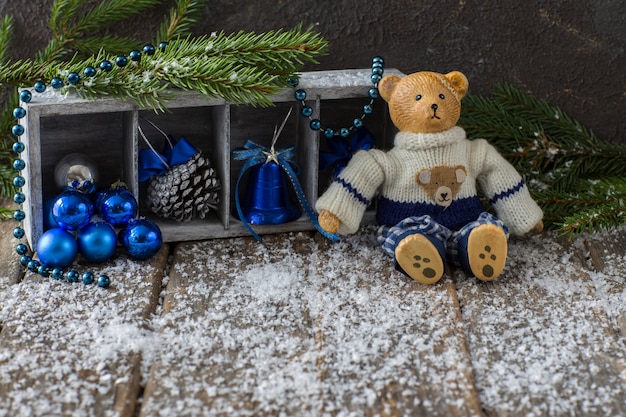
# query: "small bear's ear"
{"type": "Point", "coordinates": [459, 82]}
{"type": "Point", "coordinates": [424, 176]}
{"type": "Point", "coordinates": [386, 86]}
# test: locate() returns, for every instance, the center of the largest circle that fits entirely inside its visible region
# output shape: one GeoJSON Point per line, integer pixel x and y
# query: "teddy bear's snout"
{"type": "Point", "coordinates": [434, 106]}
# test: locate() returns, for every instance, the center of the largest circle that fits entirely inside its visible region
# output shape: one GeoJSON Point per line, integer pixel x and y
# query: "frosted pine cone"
{"type": "Point", "coordinates": [185, 191]}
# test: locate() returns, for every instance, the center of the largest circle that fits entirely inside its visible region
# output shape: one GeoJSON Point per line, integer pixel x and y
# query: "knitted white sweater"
{"type": "Point", "coordinates": [434, 174]}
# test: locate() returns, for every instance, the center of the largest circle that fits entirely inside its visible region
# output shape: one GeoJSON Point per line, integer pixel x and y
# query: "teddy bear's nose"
{"type": "Point", "coordinates": [434, 106]}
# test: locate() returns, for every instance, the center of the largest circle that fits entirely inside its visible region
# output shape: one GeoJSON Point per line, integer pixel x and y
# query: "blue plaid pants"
{"type": "Point", "coordinates": [445, 240]}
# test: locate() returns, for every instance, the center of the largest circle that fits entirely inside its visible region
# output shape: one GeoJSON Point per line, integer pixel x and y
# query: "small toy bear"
{"type": "Point", "coordinates": [428, 205]}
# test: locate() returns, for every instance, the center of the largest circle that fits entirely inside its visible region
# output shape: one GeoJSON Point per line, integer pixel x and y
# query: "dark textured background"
{"type": "Point", "coordinates": [570, 53]}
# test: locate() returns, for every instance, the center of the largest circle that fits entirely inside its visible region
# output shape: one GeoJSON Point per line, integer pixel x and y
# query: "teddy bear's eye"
{"type": "Point", "coordinates": [441, 96]}
{"type": "Point", "coordinates": [418, 97]}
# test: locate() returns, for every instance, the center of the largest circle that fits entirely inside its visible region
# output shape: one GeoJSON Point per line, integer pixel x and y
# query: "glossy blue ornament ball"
{"type": "Point", "coordinates": [57, 248]}
{"type": "Point", "coordinates": [118, 206]}
{"type": "Point", "coordinates": [72, 210]}
{"type": "Point", "coordinates": [142, 239]}
{"type": "Point", "coordinates": [48, 218]}
{"type": "Point", "coordinates": [97, 242]}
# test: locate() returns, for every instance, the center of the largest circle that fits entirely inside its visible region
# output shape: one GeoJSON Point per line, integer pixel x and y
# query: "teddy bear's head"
{"type": "Point", "coordinates": [424, 102]}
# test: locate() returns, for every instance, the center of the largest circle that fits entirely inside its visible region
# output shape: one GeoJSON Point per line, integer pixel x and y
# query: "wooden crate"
{"type": "Point", "coordinates": [106, 130]}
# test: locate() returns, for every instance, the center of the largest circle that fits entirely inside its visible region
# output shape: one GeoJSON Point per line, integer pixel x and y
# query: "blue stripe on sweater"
{"type": "Point", "coordinates": [507, 193]}
{"type": "Point", "coordinates": [345, 184]}
{"type": "Point", "coordinates": [458, 214]}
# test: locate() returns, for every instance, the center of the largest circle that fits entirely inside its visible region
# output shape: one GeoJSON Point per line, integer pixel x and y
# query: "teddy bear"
{"type": "Point", "coordinates": [426, 188]}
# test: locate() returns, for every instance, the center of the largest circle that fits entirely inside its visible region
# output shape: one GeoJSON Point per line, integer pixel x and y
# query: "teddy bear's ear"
{"type": "Point", "coordinates": [386, 86]}
{"type": "Point", "coordinates": [459, 82]}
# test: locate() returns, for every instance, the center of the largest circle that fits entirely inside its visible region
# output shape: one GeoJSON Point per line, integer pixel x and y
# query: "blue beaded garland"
{"type": "Point", "coordinates": [33, 265]}
{"type": "Point", "coordinates": [162, 46]}
{"type": "Point", "coordinates": [57, 273]}
{"type": "Point", "coordinates": [19, 164]}
{"type": "Point", "coordinates": [72, 275]}
{"type": "Point", "coordinates": [26, 96]}
{"type": "Point", "coordinates": [19, 181]}
{"type": "Point", "coordinates": [19, 112]}
{"type": "Point", "coordinates": [88, 278]}
{"type": "Point", "coordinates": [73, 78]}
{"type": "Point", "coordinates": [315, 124]}
{"type": "Point", "coordinates": [56, 83]}
{"type": "Point", "coordinates": [17, 130]}
{"type": "Point", "coordinates": [106, 66]}
{"type": "Point", "coordinates": [18, 147]}
{"type": "Point", "coordinates": [121, 61]}
{"type": "Point", "coordinates": [19, 197]}
{"type": "Point", "coordinates": [103, 281]}
{"type": "Point", "coordinates": [149, 49]}
{"type": "Point", "coordinates": [44, 271]}
{"type": "Point", "coordinates": [18, 232]}
{"type": "Point", "coordinates": [40, 86]}
{"type": "Point", "coordinates": [90, 71]}
{"type": "Point", "coordinates": [24, 260]}
{"type": "Point", "coordinates": [293, 81]}
{"type": "Point", "coordinates": [135, 55]}
{"type": "Point", "coordinates": [21, 249]}
{"type": "Point", "coordinates": [19, 215]}
{"type": "Point", "coordinates": [300, 95]}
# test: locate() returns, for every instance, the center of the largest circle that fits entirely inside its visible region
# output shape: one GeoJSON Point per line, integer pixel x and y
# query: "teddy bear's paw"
{"type": "Point", "coordinates": [420, 259]}
{"type": "Point", "coordinates": [486, 251]}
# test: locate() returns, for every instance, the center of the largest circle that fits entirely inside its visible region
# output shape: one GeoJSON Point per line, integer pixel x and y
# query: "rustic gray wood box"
{"type": "Point", "coordinates": [106, 131]}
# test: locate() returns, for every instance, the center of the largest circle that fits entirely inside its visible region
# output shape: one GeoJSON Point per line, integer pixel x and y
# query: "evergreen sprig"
{"type": "Point", "coordinates": [6, 34]}
{"type": "Point", "coordinates": [181, 19]}
{"type": "Point", "coordinates": [71, 30]}
{"type": "Point", "coordinates": [577, 179]}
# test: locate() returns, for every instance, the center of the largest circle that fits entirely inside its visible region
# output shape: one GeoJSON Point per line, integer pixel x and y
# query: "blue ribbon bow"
{"type": "Point", "coordinates": [253, 154]}
{"type": "Point", "coordinates": [153, 163]}
{"type": "Point", "coordinates": [342, 150]}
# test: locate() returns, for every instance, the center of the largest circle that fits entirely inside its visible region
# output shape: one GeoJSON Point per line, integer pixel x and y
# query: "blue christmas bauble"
{"type": "Point", "coordinates": [72, 210]}
{"type": "Point", "coordinates": [57, 248]}
{"type": "Point", "coordinates": [118, 206]}
{"type": "Point", "coordinates": [97, 242]}
{"type": "Point", "coordinates": [142, 239]}
{"type": "Point", "coordinates": [48, 218]}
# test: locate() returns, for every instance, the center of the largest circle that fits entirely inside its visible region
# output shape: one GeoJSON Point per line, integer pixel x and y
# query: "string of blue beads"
{"type": "Point", "coordinates": [315, 124]}
{"type": "Point", "coordinates": [19, 165]}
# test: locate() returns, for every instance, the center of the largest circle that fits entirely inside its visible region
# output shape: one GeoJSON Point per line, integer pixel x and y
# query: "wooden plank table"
{"type": "Point", "coordinates": [306, 334]}
{"type": "Point", "coordinates": [540, 341]}
{"type": "Point", "coordinates": [296, 325]}
{"type": "Point", "coordinates": [68, 349]}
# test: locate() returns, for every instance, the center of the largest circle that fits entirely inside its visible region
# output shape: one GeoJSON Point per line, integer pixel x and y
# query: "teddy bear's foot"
{"type": "Point", "coordinates": [486, 251]}
{"type": "Point", "coordinates": [420, 259]}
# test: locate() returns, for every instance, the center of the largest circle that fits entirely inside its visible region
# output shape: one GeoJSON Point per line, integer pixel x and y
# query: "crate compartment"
{"type": "Point", "coordinates": [101, 137]}
{"type": "Point", "coordinates": [197, 126]}
{"type": "Point", "coordinates": [258, 125]}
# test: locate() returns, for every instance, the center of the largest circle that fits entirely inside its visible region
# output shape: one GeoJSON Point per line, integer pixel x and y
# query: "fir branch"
{"type": "Point", "coordinates": [181, 19]}
{"type": "Point", "coordinates": [6, 213]}
{"type": "Point", "coordinates": [599, 218]}
{"type": "Point", "coordinates": [112, 44]}
{"type": "Point", "coordinates": [66, 40]}
{"type": "Point", "coordinates": [6, 35]}
{"type": "Point", "coordinates": [538, 137]}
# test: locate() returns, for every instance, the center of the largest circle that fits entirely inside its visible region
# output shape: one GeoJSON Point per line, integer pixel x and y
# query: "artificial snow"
{"type": "Point", "coordinates": [295, 327]}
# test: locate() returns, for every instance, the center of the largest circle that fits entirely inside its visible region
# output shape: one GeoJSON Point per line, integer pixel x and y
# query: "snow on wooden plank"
{"type": "Point", "coordinates": [69, 349]}
{"type": "Point", "coordinates": [607, 256]}
{"type": "Point", "coordinates": [540, 342]}
{"type": "Point", "coordinates": [298, 326]}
